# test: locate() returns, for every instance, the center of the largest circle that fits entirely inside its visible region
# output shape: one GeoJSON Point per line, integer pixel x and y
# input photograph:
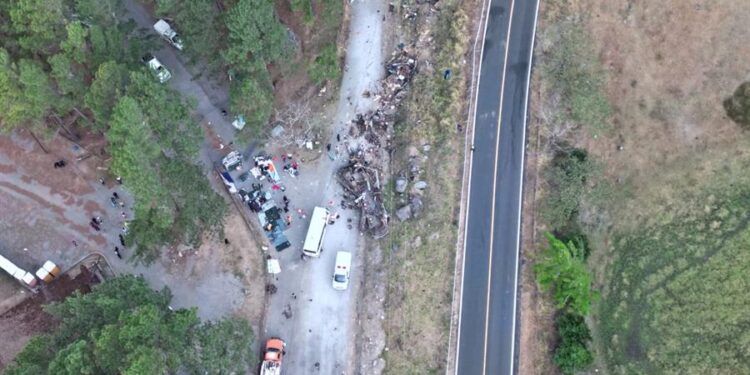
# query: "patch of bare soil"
{"type": "Point", "coordinates": [27, 319]}
{"type": "Point", "coordinates": [670, 65]}
{"type": "Point", "coordinates": [243, 255]}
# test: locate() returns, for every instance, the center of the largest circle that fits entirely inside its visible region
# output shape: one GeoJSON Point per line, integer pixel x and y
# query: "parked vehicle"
{"type": "Point", "coordinates": [160, 72]}
{"type": "Point", "coordinates": [228, 181]}
{"type": "Point", "coordinates": [232, 161]}
{"type": "Point", "coordinates": [272, 222]}
{"type": "Point", "coordinates": [341, 270]}
{"type": "Point", "coordinates": [272, 357]}
{"type": "Point", "coordinates": [166, 32]}
{"type": "Point", "coordinates": [239, 122]}
{"type": "Point", "coordinates": [315, 232]}
{"type": "Point", "coordinates": [48, 272]}
{"type": "Point", "coordinates": [26, 278]}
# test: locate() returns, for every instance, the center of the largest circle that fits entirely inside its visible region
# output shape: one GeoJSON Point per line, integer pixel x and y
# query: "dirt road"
{"type": "Point", "coordinates": [318, 322]}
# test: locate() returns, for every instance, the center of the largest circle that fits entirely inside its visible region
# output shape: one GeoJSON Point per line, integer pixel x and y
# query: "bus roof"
{"type": "Point", "coordinates": [315, 231]}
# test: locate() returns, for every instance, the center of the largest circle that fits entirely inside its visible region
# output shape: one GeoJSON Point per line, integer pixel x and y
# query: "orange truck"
{"type": "Point", "coordinates": [272, 357]}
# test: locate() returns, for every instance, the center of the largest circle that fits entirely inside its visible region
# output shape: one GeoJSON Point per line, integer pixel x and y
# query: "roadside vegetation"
{"type": "Point", "coordinates": [571, 182]}
{"type": "Point", "coordinates": [123, 327]}
{"type": "Point", "coordinates": [324, 63]}
{"type": "Point", "coordinates": [562, 270]}
{"type": "Point", "coordinates": [666, 221]}
{"type": "Point", "coordinates": [576, 74]}
{"type": "Point", "coordinates": [421, 253]}
{"type": "Point", "coordinates": [243, 38]}
{"type": "Point", "coordinates": [738, 105]}
{"type": "Point", "coordinates": [84, 63]}
{"type": "Point", "coordinates": [677, 298]}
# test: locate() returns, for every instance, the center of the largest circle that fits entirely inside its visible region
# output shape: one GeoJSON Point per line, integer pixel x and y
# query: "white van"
{"type": "Point", "coordinates": [341, 270]}
{"type": "Point", "coordinates": [315, 233]}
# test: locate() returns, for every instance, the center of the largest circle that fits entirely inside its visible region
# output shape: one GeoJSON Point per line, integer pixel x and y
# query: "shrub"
{"type": "Point", "coordinates": [566, 178]}
{"type": "Point", "coordinates": [738, 105]}
{"type": "Point", "coordinates": [572, 354]}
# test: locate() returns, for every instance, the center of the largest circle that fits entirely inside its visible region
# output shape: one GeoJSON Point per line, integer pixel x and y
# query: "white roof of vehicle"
{"type": "Point", "coordinates": [343, 265]}
{"type": "Point", "coordinates": [232, 158]}
{"type": "Point", "coordinates": [8, 266]}
{"type": "Point", "coordinates": [162, 26]}
{"type": "Point", "coordinates": [315, 231]}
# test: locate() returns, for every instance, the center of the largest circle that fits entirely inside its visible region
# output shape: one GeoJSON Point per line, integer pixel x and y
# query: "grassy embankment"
{"type": "Point", "coordinates": [421, 252]}
{"type": "Point", "coordinates": [669, 241]}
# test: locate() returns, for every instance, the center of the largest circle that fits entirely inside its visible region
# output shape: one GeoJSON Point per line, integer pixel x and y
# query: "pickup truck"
{"type": "Point", "coordinates": [160, 72]}
{"type": "Point", "coordinates": [166, 32]}
{"type": "Point", "coordinates": [272, 357]}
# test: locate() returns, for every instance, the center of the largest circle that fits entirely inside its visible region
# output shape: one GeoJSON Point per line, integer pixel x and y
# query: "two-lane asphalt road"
{"type": "Point", "coordinates": [487, 318]}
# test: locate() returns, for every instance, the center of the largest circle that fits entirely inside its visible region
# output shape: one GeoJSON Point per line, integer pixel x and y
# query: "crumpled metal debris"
{"type": "Point", "coordinates": [360, 178]}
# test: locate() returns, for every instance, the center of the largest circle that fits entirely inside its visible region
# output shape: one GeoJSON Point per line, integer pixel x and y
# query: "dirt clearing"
{"type": "Point", "coordinates": [46, 217]}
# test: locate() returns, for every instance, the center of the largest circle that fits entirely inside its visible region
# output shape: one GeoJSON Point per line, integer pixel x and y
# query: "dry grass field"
{"type": "Point", "coordinates": [669, 241]}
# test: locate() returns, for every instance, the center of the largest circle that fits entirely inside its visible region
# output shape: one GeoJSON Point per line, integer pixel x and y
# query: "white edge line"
{"type": "Point", "coordinates": [494, 188]}
{"type": "Point", "coordinates": [520, 190]}
{"type": "Point", "coordinates": [488, 3]}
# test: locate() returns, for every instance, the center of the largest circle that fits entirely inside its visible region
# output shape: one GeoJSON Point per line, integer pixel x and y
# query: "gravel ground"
{"type": "Point", "coordinates": [318, 322]}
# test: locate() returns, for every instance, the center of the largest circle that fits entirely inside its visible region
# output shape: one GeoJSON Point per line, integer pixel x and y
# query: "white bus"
{"type": "Point", "coordinates": [316, 231]}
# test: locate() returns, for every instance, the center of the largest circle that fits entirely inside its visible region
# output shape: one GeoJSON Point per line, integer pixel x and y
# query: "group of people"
{"type": "Point", "coordinates": [60, 163]}
{"type": "Point", "coordinates": [96, 223]}
{"type": "Point", "coordinates": [116, 202]}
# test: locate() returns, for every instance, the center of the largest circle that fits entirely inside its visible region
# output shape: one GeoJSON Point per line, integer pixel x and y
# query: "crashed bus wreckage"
{"type": "Point", "coordinates": [361, 177]}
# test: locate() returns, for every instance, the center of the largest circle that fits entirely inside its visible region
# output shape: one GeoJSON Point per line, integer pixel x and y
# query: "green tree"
{"type": "Point", "coordinates": [40, 24]}
{"type": "Point", "coordinates": [252, 96]}
{"type": "Point", "coordinates": [74, 359]}
{"type": "Point", "coordinates": [124, 327]}
{"type": "Point", "coordinates": [199, 208]}
{"type": "Point", "coordinates": [572, 354]}
{"type": "Point", "coordinates": [110, 43]}
{"type": "Point", "coordinates": [153, 143]}
{"type": "Point", "coordinates": [82, 312]}
{"type": "Point", "coordinates": [11, 102]}
{"type": "Point", "coordinates": [100, 12]}
{"type": "Point", "coordinates": [255, 30]}
{"type": "Point", "coordinates": [134, 153]}
{"type": "Point", "coordinates": [562, 268]}
{"type": "Point", "coordinates": [223, 347]}
{"type": "Point", "coordinates": [105, 91]}
{"type": "Point", "coordinates": [566, 178]}
{"type": "Point", "coordinates": [198, 23]}
{"type": "Point", "coordinates": [37, 97]}
{"type": "Point", "coordinates": [572, 327]}
{"type": "Point", "coordinates": [76, 46]}
{"type": "Point", "coordinates": [305, 7]}
{"type": "Point", "coordinates": [571, 357]}
{"type": "Point", "coordinates": [738, 105]}
{"type": "Point", "coordinates": [33, 358]}
{"type": "Point", "coordinates": [325, 67]}
{"type": "Point", "coordinates": [168, 116]}
{"type": "Point", "coordinates": [70, 82]}
{"type": "Point", "coordinates": [150, 229]}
